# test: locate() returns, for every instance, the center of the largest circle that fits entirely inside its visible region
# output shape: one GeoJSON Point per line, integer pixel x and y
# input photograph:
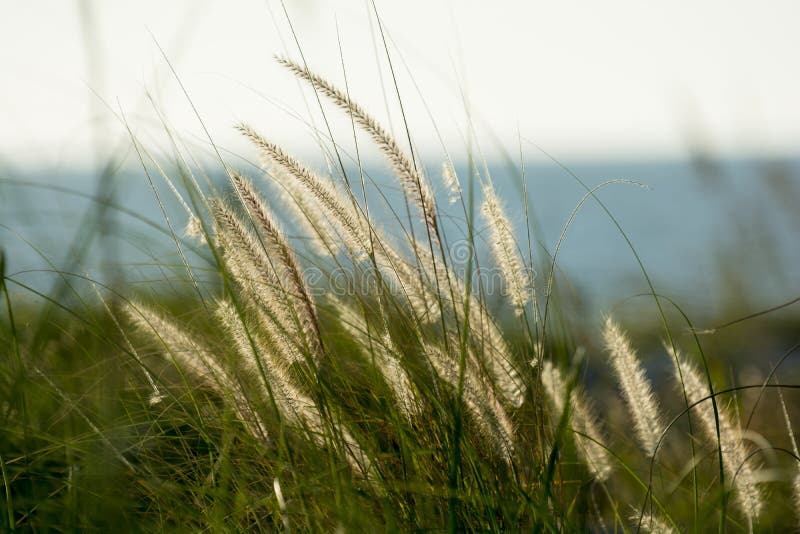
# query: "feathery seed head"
{"type": "Point", "coordinates": [634, 385]}
{"type": "Point", "coordinates": [734, 452]}
{"type": "Point", "coordinates": [195, 229]}
{"type": "Point", "coordinates": [793, 441]}
{"type": "Point", "coordinates": [290, 267]}
{"type": "Point", "coordinates": [413, 181]}
{"type": "Point", "coordinates": [451, 183]}
{"type": "Point", "coordinates": [651, 524]}
{"type": "Point", "coordinates": [505, 252]}
{"type": "Point", "coordinates": [337, 209]}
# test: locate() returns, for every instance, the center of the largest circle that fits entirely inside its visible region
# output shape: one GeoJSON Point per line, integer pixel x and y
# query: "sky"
{"type": "Point", "coordinates": [580, 80]}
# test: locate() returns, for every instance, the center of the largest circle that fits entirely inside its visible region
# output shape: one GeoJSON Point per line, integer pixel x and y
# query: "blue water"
{"type": "Point", "coordinates": [699, 229]}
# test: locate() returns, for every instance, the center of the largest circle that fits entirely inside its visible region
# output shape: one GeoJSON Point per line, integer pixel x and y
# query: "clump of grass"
{"type": "Point", "coordinates": [414, 369]}
{"type": "Point", "coordinates": [396, 400]}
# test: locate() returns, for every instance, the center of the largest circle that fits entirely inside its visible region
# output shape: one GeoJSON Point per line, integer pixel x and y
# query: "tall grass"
{"type": "Point", "coordinates": [349, 380]}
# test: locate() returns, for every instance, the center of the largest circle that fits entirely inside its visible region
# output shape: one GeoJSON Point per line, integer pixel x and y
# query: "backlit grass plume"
{"type": "Point", "coordinates": [634, 385]}
{"type": "Point", "coordinates": [582, 420]}
{"type": "Point", "coordinates": [796, 451]}
{"type": "Point", "coordinates": [279, 385]}
{"type": "Point", "coordinates": [505, 252]}
{"type": "Point", "coordinates": [451, 183]}
{"type": "Point", "coordinates": [337, 208]}
{"type": "Point", "coordinates": [488, 414]}
{"type": "Point", "coordinates": [288, 266]}
{"type": "Point", "coordinates": [651, 524]}
{"type": "Point", "coordinates": [735, 455]}
{"type": "Point", "coordinates": [413, 181]}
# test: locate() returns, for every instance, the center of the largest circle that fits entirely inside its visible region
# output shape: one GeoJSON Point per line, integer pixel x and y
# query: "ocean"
{"type": "Point", "coordinates": [706, 231]}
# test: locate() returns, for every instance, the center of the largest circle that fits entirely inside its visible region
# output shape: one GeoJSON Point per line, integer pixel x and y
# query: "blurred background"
{"type": "Point", "coordinates": [697, 101]}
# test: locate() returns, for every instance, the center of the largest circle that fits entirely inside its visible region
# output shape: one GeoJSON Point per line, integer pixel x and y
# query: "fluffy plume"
{"type": "Point", "coordinates": [734, 452]}
{"type": "Point", "coordinates": [584, 422]}
{"type": "Point", "coordinates": [189, 356]}
{"type": "Point", "coordinates": [276, 485]}
{"type": "Point", "coordinates": [256, 357]}
{"type": "Point", "coordinates": [238, 243]}
{"type": "Point", "coordinates": [796, 478]}
{"type": "Point", "coordinates": [353, 226]}
{"type": "Point", "coordinates": [306, 310]}
{"type": "Point", "coordinates": [195, 229]}
{"type": "Point", "coordinates": [254, 273]}
{"type": "Point", "coordinates": [156, 396]}
{"type": "Point", "coordinates": [636, 388]}
{"type": "Point", "coordinates": [505, 252]}
{"type": "Point", "coordinates": [337, 208]}
{"type": "Point", "coordinates": [651, 524]}
{"type": "Point", "coordinates": [301, 208]}
{"type": "Point", "coordinates": [451, 183]}
{"type": "Point", "coordinates": [414, 182]}
{"type": "Point", "coordinates": [307, 212]}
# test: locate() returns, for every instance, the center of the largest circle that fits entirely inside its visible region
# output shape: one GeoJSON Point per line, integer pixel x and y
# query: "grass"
{"type": "Point", "coordinates": [362, 380]}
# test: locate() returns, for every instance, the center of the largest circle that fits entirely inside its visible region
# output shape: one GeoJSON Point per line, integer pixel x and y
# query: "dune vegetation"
{"type": "Point", "coordinates": [360, 378]}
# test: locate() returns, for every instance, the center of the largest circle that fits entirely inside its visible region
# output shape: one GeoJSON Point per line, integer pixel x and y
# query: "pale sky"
{"type": "Point", "coordinates": [611, 79]}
